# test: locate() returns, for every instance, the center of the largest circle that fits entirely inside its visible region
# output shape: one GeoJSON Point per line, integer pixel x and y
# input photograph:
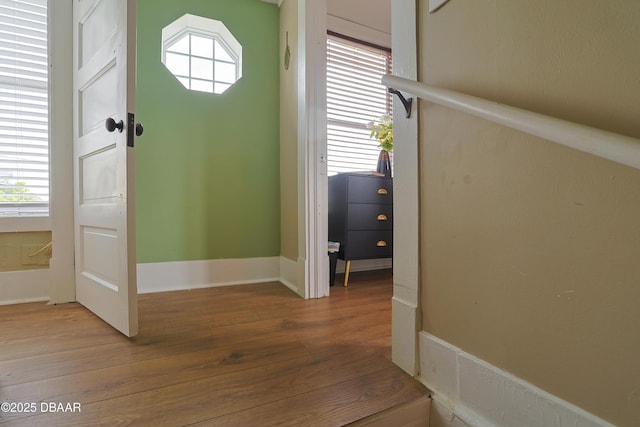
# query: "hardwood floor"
{"type": "Point", "coordinates": [236, 356]}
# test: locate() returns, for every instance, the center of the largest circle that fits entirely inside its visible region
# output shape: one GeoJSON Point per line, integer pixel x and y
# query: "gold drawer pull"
{"type": "Point", "coordinates": [382, 217]}
{"type": "Point", "coordinates": [382, 191]}
{"type": "Point", "coordinates": [381, 244]}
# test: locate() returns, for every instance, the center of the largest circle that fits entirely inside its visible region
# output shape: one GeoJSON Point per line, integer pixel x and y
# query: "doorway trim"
{"type": "Point", "coordinates": [406, 311]}
{"type": "Point", "coordinates": [312, 148]}
{"type": "Point", "coordinates": [406, 319]}
{"type": "Point", "coordinates": [61, 266]}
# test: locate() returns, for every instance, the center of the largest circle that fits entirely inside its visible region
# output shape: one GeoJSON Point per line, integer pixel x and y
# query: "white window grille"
{"type": "Point", "coordinates": [24, 109]}
{"type": "Point", "coordinates": [355, 97]}
{"type": "Point", "coordinates": [202, 54]}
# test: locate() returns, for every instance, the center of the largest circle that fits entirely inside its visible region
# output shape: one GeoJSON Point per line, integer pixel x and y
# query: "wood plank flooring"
{"type": "Point", "coordinates": [244, 355]}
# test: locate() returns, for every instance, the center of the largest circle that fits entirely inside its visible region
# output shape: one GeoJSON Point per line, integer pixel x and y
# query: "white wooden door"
{"type": "Point", "coordinates": [104, 87]}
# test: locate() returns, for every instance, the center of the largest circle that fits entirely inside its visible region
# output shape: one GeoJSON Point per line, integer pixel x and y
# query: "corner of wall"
{"type": "Point", "coordinates": [289, 275]}
{"type": "Point", "coordinates": [406, 278]}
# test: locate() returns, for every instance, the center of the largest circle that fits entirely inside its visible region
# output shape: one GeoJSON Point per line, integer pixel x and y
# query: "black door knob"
{"type": "Point", "coordinates": [139, 129]}
{"type": "Point", "coordinates": [112, 125]}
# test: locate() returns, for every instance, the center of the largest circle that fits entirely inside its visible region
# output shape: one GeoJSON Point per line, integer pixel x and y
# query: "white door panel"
{"type": "Point", "coordinates": [93, 110]}
{"type": "Point", "coordinates": [104, 61]}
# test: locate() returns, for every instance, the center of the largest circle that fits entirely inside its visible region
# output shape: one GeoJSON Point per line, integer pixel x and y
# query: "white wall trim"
{"type": "Point", "coordinates": [312, 147]}
{"type": "Point", "coordinates": [404, 321]}
{"type": "Point", "coordinates": [18, 287]}
{"type": "Point", "coordinates": [358, 31]}
{"type": "Point", "coordinates": [289, 275]}
{"type": "Point", "coordinates": [406, 196]}
{"type": "Point", "coordinates": [62, 284]}
{"type": "Point", "coordinates": [25, 224]}
{"type": "Point", "coordinates": [184, 275]}
{"type": "Point", "coordinates": [480, 394]}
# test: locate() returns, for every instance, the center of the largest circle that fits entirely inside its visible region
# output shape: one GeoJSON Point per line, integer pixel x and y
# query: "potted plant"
{"type": "Point", "coordinates": [382, 131]}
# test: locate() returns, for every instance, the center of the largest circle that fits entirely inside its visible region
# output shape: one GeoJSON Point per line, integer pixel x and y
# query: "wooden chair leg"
{"type": "Point", "coordinates": [346, 273]}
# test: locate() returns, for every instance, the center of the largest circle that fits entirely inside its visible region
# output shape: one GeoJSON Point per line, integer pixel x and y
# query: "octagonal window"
{"type": "Point", "coordinates": [202, 54]}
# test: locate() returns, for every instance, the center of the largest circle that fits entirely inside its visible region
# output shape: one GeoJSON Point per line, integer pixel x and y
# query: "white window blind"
{"type": "Point", "coordinates": [24, 128]}
{"type": "Point", "coordinates": [355, 97]}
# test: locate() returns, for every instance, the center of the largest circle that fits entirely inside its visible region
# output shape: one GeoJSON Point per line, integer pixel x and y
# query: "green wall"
{"type": "Point", "coordinates": [207, 166]}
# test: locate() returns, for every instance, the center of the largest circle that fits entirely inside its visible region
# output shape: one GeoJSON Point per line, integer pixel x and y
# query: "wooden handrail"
{"type": "Point", "coordinates": [608, 145]}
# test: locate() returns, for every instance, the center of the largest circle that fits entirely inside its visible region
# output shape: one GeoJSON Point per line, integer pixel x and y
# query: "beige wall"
{"type": "Point", "coordinates": [289, 133]}
{"type": "Point", "coordinates": [529, 249]}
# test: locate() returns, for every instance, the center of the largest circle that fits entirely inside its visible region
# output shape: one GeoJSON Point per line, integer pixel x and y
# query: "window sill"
{"type": "Point", "coordinates": [15, 225]}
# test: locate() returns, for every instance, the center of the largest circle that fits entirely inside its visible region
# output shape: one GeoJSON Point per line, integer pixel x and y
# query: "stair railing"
{"type": "Point", "coordinates": [608, 145]}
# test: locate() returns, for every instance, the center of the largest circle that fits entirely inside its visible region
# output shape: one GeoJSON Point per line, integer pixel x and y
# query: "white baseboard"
{"type": "Point", "coordinates": [18, 287]}
{"type": "Point", "coordinates": [470, 391]}
{"type": "Point", "coordinates": [289, 275]}
{"type": "Point", "coordinates": [365, 264]}
{"type": "Point", "coordinates": [183, 275]}
{"type": "Point", "coordinates": [33, 285]}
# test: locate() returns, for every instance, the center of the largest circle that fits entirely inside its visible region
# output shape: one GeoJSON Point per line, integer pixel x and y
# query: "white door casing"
{"type": "Point", "coordinates": [312, 125]}
{"type": "Point", "coordinates": [405, 305]}
{"type": "Point", "coordinates": [104, 87]}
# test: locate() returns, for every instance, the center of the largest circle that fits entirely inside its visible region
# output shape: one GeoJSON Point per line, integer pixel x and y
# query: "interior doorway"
{"type": "Point", "coordinates": [358, 54]}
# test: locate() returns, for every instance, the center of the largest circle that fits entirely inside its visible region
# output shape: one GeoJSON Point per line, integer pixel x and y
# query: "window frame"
{"type": "Point", "coordinates": [192, 25]}
{"type": "Point", "coordinates": [22, 220]}
{"type": "Point", "coordinates": [60, 218]}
